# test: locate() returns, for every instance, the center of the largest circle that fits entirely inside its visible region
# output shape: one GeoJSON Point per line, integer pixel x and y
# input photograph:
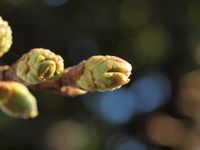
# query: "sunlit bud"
{"type": "Point", "coordinates": [16, 100]}
{"type": "Point", "coordinates": [104, 73]}
{"type": "Point", "coordinates": [39, 65]}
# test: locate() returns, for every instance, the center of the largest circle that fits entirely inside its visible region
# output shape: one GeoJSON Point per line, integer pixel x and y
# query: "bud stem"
{"type": "Point", "coordinates": [66, 83]}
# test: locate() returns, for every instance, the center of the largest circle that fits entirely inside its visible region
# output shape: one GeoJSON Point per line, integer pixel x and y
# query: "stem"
{"type": "Point", "coordinates": [66, 83]}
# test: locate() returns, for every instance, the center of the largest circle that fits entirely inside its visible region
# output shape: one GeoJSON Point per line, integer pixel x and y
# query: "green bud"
{"type": "Point", "coordinates": [39, 65]}
{"type": "Point", "coordinates": [104, 73]}
{"type": "Point", "coordinates": [5, 37]}
{"type": "Point", "coordinates": [16, 100]}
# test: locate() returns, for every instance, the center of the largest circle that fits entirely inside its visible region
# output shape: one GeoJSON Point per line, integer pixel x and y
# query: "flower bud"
{"type": "Point", "coordinates": [39, 65]}
{"type": "Point", "coordinates": [104, 73]}
{"type": "Point", "coordinates": [16, 100]}
{"type": "Point", "coordinates": [5, 37]}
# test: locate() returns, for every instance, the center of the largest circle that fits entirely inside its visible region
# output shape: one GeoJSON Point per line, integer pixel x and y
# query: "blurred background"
{"type": "Point", "coordinates": [158, 110]}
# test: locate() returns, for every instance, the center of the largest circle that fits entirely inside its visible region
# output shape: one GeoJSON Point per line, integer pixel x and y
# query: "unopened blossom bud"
{"type": "Point", "coordinates": [5, 37]}
{"type": "Point", "coordinates": [104, 73]}
{"type": "Point", "coordinates": [16, 100]}
{"type": "Point", "coordinates": [39, 65]}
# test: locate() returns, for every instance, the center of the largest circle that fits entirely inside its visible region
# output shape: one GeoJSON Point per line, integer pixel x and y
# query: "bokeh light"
{"type": "Point", "coordinates": [122, 141]}
{"type": "Point", "coordinates": [115, 107]}
{"type": "Point", "coordinates": [130, 144]}
{"type": "Point", "coordinates": [69, 135]}
{"type": "Point", "coordinates": [191, 140]}
{"type": "Point", "coordinates": [151, 44]}
{"type": "Point", "coordinates": [165, 130]}
{"type": "Point", "coordinates": [152, 91]}
{"type": "Point", "coordinates": [134, 14]}
{"type": "Point", "coordinates": [188, 99]}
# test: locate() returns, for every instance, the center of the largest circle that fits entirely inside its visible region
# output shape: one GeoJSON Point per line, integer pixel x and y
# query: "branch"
{"type": "Point", "coordinates": [98, 73]}
{"type": "Point", "coordinates": [67, 82]}
{"type": "Point", "coordinates": [42, 69]}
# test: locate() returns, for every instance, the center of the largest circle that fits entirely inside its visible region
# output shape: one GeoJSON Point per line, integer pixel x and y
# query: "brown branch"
{"type": "Point", "coordinates": [66, 83]}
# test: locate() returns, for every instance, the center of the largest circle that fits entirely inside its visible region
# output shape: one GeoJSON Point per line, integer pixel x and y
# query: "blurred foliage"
{"type": "Point", "coordinates": [159, 109]}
